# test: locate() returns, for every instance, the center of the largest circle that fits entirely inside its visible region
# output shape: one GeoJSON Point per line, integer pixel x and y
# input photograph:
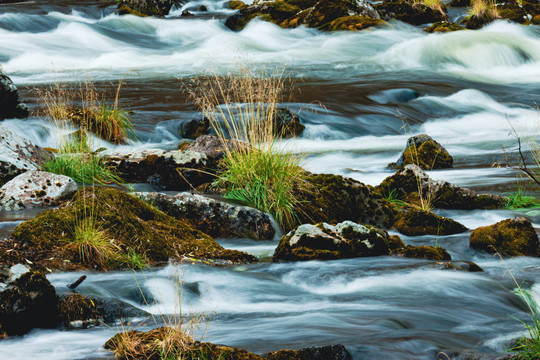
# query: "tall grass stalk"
{"type": "Point", "coordinates": [256, 169]}
{"type": "Point", "coordinates": [484, 8]}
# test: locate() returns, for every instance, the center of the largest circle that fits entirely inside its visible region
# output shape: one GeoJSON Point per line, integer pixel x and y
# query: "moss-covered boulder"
{"type": "Point", "coordinates": [412, 183]}
{"type": "Point", "coordinates": [311, 13]}
{"type": "Point", "coordinates": [443, 27]}
{"type": "Point", "coordinates": [287, 124]}
{"type": "Point", "coordinates": [421, 222]}
{"type": "Point", "coordinates": [510, 237]}
{"type": "Point", "coordinates": [459, 3]}
{"type": "Point", "coordinates": [424, 152]}
{"type": "Point", "coordinates": [236, 5]}
{"type": "Point", "coordinates": [425, 252]}
{"type": "Point", "coordinates": [414, 14]}
{"type": "Point", "coordinates": [145, 7]}
{"type": "Point", "coordinates": [333, 352]}
{"type": "Point", "coordinates": [333, 198]}
{"type": "Point", "coordinates": [352, 23]}
{"type": "Point", "coordinates": [28, 302]}
{"type": "Point", "coordinates": [104, 228]}
{"type": "Point", "coordinates": [328, 242]}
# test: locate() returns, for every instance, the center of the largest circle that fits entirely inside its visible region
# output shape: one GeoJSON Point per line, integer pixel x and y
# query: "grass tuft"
{"type": "Point", "coordinates": [519, 200]}
{"type": "Point", "coordinates": [256, 169]}
{"type": "Point", "coordinates": [484, 8]}
{"type": "Point", "coordinates": [92, 243]}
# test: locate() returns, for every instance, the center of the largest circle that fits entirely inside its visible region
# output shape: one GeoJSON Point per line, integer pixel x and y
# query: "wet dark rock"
{"type": "Point", "coordinates": [209, 145]}
{"type": "Point", "coordinates": [460, 3]}
{"type": "Point", "coordinates": [328, 242]}
{"type": "Point", "coordinates": [192, 129]}
{"type": "Point", "coordinates": [333, 198]}
{"type": "Point", "coordinates": [10, 103]}
{"type": "Point", "coordinates": [36, 189]}
{"type": "Point", "coordinates": [132, 226]}
{"type": "Point", "coordinates": [329, 352]}
{"type": "Point", "coordinates": [466, 266]}
{"type": "Point", "coordinates": [443, 27]}
{"type": "Point", "coordinates": [168, 169]}
{"type": "Point", "coordinates": [203, 8]}
{"type": "Point", "coordinates": [405, 185]}
{"type": "Point", "coordinates": [145, 7]}
{"type": "Point", "coordinates": [311, 13]}
{"type": "Point", "coordinates": [425, 252]}
{"type": "Point", "coordinates": [352, 23]}
{"type": "Point", "coordinates": [420, 222]}
{"type": "Point", "coordinates": [424, 152]}
{"type": "Point", "coordinates": [236, 5]}
{"type": "Point", "coordinates": [287, 124]}
{"type": "Point", "coordinates": [215, 218]}
{"type": "Point", "coordinates": [28, 302]}
{"type": "Point", "coordinates": [415, 14]}
{"type": "Point", "coordinates": [477, 21]}
{"type": "Point", "coordinates": [186, 13]}
{"type": "Point", "coordinates": [18, 155]}
{"type": "Point", "coordinates": [510, 237]}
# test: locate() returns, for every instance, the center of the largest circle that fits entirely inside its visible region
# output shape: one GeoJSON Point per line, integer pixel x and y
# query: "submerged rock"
{"type": "Point", "coordinates": [420, 222]}
{"type": "Point", "coordinates": [36, 189]}
{"type": "Point", "coordinates": [405, 185]}
{"type": "Point", "coordinates": [145, 7]}
{"type": "Point", "coordinates": [10, 103]}
{"type": "Point", "coordinates": [424, 152]}
{"type": "Point", "coordinates": [123, 230]}
{"type": "Point", "coordinates": [168, 169]}
{"type": "Point", "coordinates": [411, 13]}
{"type": "Point", "coordinates": [333, 198]}
{"type": "Point", "coordinates": [328, 242]}
{"type": "Point", "coordinates": [18, 155]}
{"type": "Point", "coordinates": [28, 302]}
{"type": "Point", "coordinates": [425, 252]}
{"type": "Point", "coordinates": [443, 27]}
{"type": "Point", "coordinates": [192, 129]}
{"type": "Point", "coordinates": [329, 352]}
{"type": "Point", "coordinates": [287, 124]}
{"type": "Point", "coordinates": [510, 237]}
{"type": "Point", "coordinates": [215, 218]}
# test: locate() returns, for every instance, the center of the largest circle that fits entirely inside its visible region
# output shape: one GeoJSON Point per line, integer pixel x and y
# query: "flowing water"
{"type": "Point", "coordinates": [357, 90]}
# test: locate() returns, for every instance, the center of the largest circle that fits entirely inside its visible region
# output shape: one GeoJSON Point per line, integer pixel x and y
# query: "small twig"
{"type": "Point", "coordinates": [72, 286]}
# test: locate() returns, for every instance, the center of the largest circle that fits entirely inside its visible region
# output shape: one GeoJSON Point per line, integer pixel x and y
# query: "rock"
{"type": "Point", "coordinates": [424, 152]}
{"type": "Point", "coordinates": [443, 27]}
{"type": "Point", "coordinates": [352, 23]}
{"type": "Point", "coordinates": [192, 129]}
{"type": "Point", "coordinates": [186, 13]}
{"type": "Point", "coordinates": [425, 252]}
{"type": "Point", "coordinates": [203, 8]}
{"type": "Point", "coordinates": [145, 7]}
{"type": "Point", "coordinates": [333, 198]}
{"type": "Point", "coordinates": [442, 194]}
{"type": "Point", "coordinates": [328, 242]}
{"type": "Point", "coordinates": [420, 222]}
{"type": "Point", "coordinates": [128, 226]}
{"type": "Point", "coordinates": [79, 311]}
{"type": "Point", "coordinates": [465, 266]}
{"type": "Point", "coordinates": [28, 302]}
{"type": "Point", "coordinates": [17, 271]}
{"type": "Point", "coordinates": [287, 124]}
{"type": "Point", "coordinates": [211, 146]}
{"type": "Point", "coordinates": [512, 11]}
{"type": "Point", "coordinates": [329, 352]}
{"type": "Point", "coordinates": [36, 189]}
{"type": "Point", "coordinates": [477, 21]}
{"type": "Point", "coordinates": [18, 155]}
{"type": "Point", "coordinates": [215, 218]}
{"type": "Point", "coordinates": [311, 13]}
{"type": "Point", "coordinates": [460, 3]}
{"type": "Point", "coordinates": [10, 103]}
{"type": "Point", "coordinates": [168, 169]}
{"type": "Point", "coordinates": [510, 237]}
{"type": "Point", "coordinates": [236, 5]}
{"type": "Point", "coordinates": [414, 14]}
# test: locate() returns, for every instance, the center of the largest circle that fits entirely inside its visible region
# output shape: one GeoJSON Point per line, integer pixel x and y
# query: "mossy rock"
{"type": "Point", "coordinates": [477, 21]}
{"type": "Point", "coordinates": [425, 252]}
{"type": "Point", "coordinates": [236, 5]}
{"type": "Point", "coordinates": [28, 302]}
{"type": "Point", "coordinates": [513, 12]}
{"type": "Point", "coordinates": [327, 242]}
{"type": "Point", "coordinates": [272, 11]}
{"type": "Point", "coordinates": [352, 23]}
{"type": "Point", "coordinates": [145, 8]}
{"type": "Point", "coordinates": [460, 3]}
{"type": "Point", "coordinates": [510, 237]}
{"type": "Point", "coordinates": [443, 27]}
{"type": "Point", "coordinates": [132, 226]}
{"type": "Point", "coordinates": [333, 198]}
{"type": "Point", "coordinates": [333, 352]}
{"type": "Point", "coordinates": [327, 11]}
{"type": "Point", "coordinates": [422, 150]}
{"type": "Point", "coordinates": [414, 14]}
{"type": "Point", "coordinates": [76, 307]}
{"type": "Point", "coordinates": [420, 222]}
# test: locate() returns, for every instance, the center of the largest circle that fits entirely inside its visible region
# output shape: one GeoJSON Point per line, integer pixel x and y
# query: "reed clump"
{"type": "Point", "coordinates": [256, 169]}
{"type": "Point", "coordinates": [484, 9]}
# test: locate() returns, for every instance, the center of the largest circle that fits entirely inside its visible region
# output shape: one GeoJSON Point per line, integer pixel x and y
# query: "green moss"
{"type": "Point", "coordinates": [426, 252]}
{"type": "Point", "coordinates": [236, 5]}
{"type": "Point", "coordinates": [124, 9]}
{"type": "Point", "coordinates": [511, 237]}
{"type": "Point", "coordinates": [76, 307]}
{"type": "Point", "coordinates": [351, 23]}
{"type": "Point", "coordinates": [421, 222]}
{"type": "Point", "coordinates": [416, 14]}
{"type": "Point", "coordinates": [131, 225]}
{"type": "Point", "coordinates": [444, 26]}
{"type": "Point", "coordinates": [428, 156]}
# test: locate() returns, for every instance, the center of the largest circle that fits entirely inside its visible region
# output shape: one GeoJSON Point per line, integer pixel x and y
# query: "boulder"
{"type": "Point", "coordinates": [510, 237]}
{"type": "Point", "coordinates": [424, 152]}
{"type": "Point", "coordinates": [333, 198]}
{"type": "Point", "coordinates": [36, 189]}
{"type": "Point", "coordinates": [104, 228]}
{"type": "Point", "coordinates": [443, 27]}
{"type": "Point", "coordinates": [211, 146]}
{"type": "Point", "coordinates": [411, 13]}
{"type": "Point", "coordinates": [287, 124]}
{"type": "Point", "coordinates": [352, 23]}
{"type": "Point", "coordinates": [425, 252]}
{"type": "Point", "coordinates": [236, 5]}
{"type": "Point", "coordinates": [215, 218]}
{"type": "Point", "coordinates": [10, 103]}
{"type": "Point", "coordinates": [330, 242]}
{"type": "Point", "coordinates": [168, 169]}
{"type": "Point", "coordinates": [460, 3]}
{"type": "Point", "coordinates": [18, 155]}
{"type": "Point", "coordinates": [329, 352]}
{"type": "Point", "coordinates": [405, 185]}
{"type": "Point", "coordinates": [29, 301]}
{"type": "Point", "coordinates": [192, 129]}
{"type": "Point", "coordinates": [421, 222]}
{"type": "Point", "coordinates": [145, 7]}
